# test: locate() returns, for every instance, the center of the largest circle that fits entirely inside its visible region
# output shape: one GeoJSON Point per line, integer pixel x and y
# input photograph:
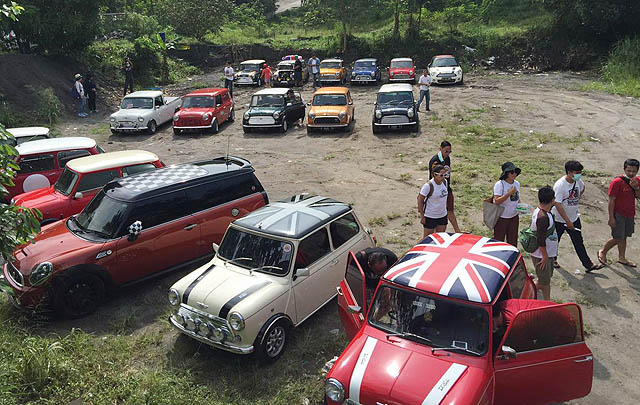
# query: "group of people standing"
{"type": "Point", "coordinates": [84, 91]}
{"type": "Point", "coordinates": [557, 212]}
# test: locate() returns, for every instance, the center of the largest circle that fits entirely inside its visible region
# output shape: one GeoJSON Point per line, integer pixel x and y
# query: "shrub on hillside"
{"type": "Point", "coordinates": [624, 61]}
{"type": "Point", "coordinates": [132, 25]}
{"type": "Point", "coordinates": [49, 106]}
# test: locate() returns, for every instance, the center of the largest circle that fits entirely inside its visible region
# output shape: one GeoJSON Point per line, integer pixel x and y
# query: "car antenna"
{"type": "Point", "coordinates": [227, 157]}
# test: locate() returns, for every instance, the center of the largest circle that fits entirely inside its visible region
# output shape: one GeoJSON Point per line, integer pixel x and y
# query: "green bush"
{"type": "Point", "coordinates": [49, 106]}
{"type": "Point", "coordinates": [8, 117]}
{"type": "Point", "coordinates": [623, 62]}
{"type": "Point", "coordinates": [134, 25]}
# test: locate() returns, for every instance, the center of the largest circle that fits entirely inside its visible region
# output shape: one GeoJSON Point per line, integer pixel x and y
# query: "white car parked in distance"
{"type": "Point", "coordinates": [143, 111]}
{"type": "Point", "coordinates": [445, 69]}
{"type": "Point", "coordinates": [274, 268]}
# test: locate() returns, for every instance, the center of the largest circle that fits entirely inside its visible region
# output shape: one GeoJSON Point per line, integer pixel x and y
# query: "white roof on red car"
{"type": "Point", "coordinates": [28, 131]}
{"type": "Point", "coordinates": [401, 60]}
{"type": "Point", "coordinates": [55, 144]}
{"type": "Point", "coordinates": [111, 160]}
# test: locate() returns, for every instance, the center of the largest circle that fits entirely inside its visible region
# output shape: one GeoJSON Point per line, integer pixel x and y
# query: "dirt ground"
{"type": "Point", "coordinates": [381, 175]}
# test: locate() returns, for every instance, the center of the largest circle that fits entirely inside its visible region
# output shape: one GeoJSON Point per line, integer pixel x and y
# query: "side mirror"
{"type": "Point", "coordinates": [218, 105]}
{"type": "Point", "coordinates": [289, 104]}
{"type": "Point", "coordinates": [215, 247]}
{"type": "Point", "coordinates": [508, 353]}
{"type": "Point", "coordinates": [350, 102]}
{"type": "Point", "coordinates": [247, 105]}
{"type": "Point", "coordinates": [77, 196]}
{"type": "Point", "coordinates": [303, 272]}
{"type": "Point", "coordinates": [309, 104]}
{"type": "Point", "coordinates": [134, 230]}
{"type": "Point", "coordinates": [157, 107]}
{"type": "Point", "coordinates": [355, 309]}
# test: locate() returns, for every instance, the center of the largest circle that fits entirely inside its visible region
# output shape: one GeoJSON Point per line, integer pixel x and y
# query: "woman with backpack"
{"type": "Point", "coordinates": [432, 202]}
{"type": "Point", "coordinates": [506, 193]}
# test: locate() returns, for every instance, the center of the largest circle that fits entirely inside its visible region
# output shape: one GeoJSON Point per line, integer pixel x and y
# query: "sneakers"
{"type": "Point", "coordinates": [83, 114]}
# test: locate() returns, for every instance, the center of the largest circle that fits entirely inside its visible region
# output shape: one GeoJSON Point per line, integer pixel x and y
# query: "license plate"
{"type": "Point", "coordinates": [245, 80]}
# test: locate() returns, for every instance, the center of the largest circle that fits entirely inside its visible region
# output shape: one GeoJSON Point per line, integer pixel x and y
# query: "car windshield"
{"type": "Point", "coordinates": [401, 64]}
{"type": "Point", "coordinates": [365, 64]}
{"type": "Point", "coordinates": [395, 97]}
{"type": "Point", "coordinates": [329, 99]}
{"type": "Point", "coordinates": [267, 100]}
{"type": "Point", "coordinates": [142, 103]}
{"type": "Point", "coordinates": [437, 322]}
{"type": "Point", "coordinates": [198, 102]}
{"type": "Point", "coordinates": [250, 66]}
{"type": "Point", "coordinates": [285, 66]}
{"type": "Point", "coordinates": [66, 182]}
{"type": "Point", "coordinates": [256, 252]}
{"type": "Point", "coordinates": [444, 62]}
{"type": "Point", "coordinates": [103, 216]}
{"type": "Point", "coordinates": [330, 65]}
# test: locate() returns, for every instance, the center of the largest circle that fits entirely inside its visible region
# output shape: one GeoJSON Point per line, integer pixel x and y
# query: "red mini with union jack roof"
{"type": "Point", "coordinates": [429, 336]}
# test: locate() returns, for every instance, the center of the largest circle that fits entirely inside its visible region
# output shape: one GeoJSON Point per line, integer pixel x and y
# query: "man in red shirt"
{"type": "Point", "coordinates": [266, 75]}
{"type": "Point", "coordinates": [623, 192]}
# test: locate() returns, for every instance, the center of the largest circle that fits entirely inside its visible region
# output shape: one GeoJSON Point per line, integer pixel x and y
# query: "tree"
{"type": "Point", "coordinates": [455, 15]}
{"type": "Point", "coordinates": [345, 11]}
{"type": "Point", "coordinates": [194, 18]}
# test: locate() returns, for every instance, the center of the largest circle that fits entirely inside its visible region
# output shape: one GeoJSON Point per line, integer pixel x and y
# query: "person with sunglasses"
{"type": "Point", "coordinates": [443, 157]}
{"type": "Point", "coordinates": [432, 202]}
{"type": "Point", "coordinates": [506, 193]}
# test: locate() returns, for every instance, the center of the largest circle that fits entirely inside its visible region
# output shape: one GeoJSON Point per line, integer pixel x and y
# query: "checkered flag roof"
{"type": "Point", "coordinates": [162, 177]}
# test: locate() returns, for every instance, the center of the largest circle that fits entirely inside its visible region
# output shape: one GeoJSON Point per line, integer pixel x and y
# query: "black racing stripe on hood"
{"type": "Point", "coordinates": [224, 311]}
{"type": "Point", "coordinates": [185, 296]}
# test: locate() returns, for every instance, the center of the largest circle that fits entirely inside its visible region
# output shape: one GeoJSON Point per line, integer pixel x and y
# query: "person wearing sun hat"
{"type": "Point", "coordinates": [80, 96]}
{"type": "Point", "coordinates": [506, 193]}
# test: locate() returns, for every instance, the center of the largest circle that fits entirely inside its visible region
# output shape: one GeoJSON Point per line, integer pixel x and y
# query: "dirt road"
{"type": "Point", "coordinates": [538, 121]}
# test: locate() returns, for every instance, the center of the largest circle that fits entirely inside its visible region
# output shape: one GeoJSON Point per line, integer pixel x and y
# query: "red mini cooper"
{"type": "Point", "coordinates": [402, 70]}
{"type": "Point", "coordinates": [204, 109]}
{"type": "Point", "coordinates": [441, 329]}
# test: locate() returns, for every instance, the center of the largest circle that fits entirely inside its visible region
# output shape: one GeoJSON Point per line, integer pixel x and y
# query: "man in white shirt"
{"type": "Point", "coordinates": [314, 64]}
{"type": "Point", "coordinates": [228, 78]}
{"type": "Point", "coordinates": [82, 101]}
{"type": "Point", "coordinates": [569, 189]}
{"type": "Point", "coordinates": [425, 84]}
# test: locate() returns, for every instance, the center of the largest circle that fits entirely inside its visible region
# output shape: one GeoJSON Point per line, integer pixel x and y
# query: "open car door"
{"type": "Point", "coordinates": [543, 357]}
{"type": "Point", "coordinates": [352, 297]}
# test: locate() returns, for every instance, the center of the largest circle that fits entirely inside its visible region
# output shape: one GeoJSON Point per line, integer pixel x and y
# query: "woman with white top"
{"type": "Point", "coordinates": [506, 193]}
{"type": "Point", "coordinates": [432, 202]}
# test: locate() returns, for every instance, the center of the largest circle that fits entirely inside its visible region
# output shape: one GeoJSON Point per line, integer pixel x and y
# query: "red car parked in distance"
{"type": "Point", "coordinates": [435, 332]}
{"type": "Point", "coordinates": [204, 109]}
{"type": "Point", "coordinates": [82, 179]}
{"type": "Point", "coordinates": [402, 70]}
{"type": "Point", "coordinates": [42, 162]}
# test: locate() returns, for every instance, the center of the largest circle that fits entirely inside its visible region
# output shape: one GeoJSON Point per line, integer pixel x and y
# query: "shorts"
{"type": "Point", "coordinates": [544, 274]}
{"type": "Point", "coordinates": [432, 223]}
{"type": "Point", "coordinates": [624, 227]}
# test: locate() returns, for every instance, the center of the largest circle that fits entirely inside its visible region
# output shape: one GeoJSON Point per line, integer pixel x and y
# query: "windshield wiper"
{"type": "Point", "coordinates": [464, 349]}
{"type": "Point", "coordinates": [267, 267]}
{"type": "Point", "coordinates": [409, 334]}
{"type": "Point", "coordinates": [103, 235]}
{"type": "Point", "coordinates": [239, 258]}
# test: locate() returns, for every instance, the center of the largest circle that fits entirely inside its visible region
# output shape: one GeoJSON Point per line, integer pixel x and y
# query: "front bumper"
{"type": "Point", "coordinates": [246, 80]}
{"type": "Point", "coordinates": [397, 124]}
{"type": "Point", "coordinates": [191, 127]}
{"type": "Point", "coordinates": [21, 297]}
{"type": "Point", "coordinates": [363, 79]}
{"type": "Point", "coordinates": [136, 127]}
{"type": "Point", "coordinates": [447, 80]}
{"type": "Point", "coordinates": [219, 345]}
{"type": "Point", "coordinates": [406, 79]}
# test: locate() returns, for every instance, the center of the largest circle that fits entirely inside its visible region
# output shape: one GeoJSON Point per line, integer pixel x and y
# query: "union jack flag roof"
{"type": "Point", "coordinates": [294, 217]}
{"type": "Point", "coordinates": [467, 267]}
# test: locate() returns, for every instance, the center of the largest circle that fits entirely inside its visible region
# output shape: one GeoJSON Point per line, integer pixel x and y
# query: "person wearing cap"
{"type": "Point", "coordinates": [82, 101]}
{"type": "Point", "coordinates": [127, 68]}
{"type": "Point", "coordinates": [506, 193]}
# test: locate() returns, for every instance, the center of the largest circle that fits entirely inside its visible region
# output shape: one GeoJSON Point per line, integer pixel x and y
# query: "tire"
{"type": "Point", "coordinates": [416, 127]}
{"type": "Point", "coordinates": [375, 129]}
{"type": "Point", "coordinates": [351, 125]}
{"type": "Point", "coordinates": [309, 130]}
{"type": "Point", "coordinates": [152, 127]}
{"type": "Point", "coordinates": [461, 81]}
{"type": "Point", "coordinates": [285, 125]}
{"type": "Point", "coordinates": [247, 130]}
{"type": "Point", "coordinates": [115, 132]}
{"type": "Point", "coordinates": [215, 127]}
{"type": "Point", "coordinates": [77, 294]}
{"type": "Point", "coordinates": [232, 116]}
{"type": "Point", "coordinates": [176, 131]}
{"type": "Point", "coordinates": [272, 343]}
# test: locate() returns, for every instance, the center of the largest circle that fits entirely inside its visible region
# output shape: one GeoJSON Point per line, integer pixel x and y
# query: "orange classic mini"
{"type": "Point", "coordinates": [455, 321]}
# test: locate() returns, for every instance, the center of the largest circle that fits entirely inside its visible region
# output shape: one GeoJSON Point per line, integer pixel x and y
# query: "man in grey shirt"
{"type": "Point", "coordinates": [425, 84]}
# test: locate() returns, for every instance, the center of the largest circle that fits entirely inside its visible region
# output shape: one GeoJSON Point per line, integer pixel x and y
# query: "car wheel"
{"type": "Point", "coordinates": [232, 116]}
{"type": "Point", "coordinates": [247, 130]}
{"type": "Point", "coordinates": [309, 130]}
{"type": "Point", "coordinates": [462, 81]}
{"type": "Point", "coordinates": [176, 131]}
{"type": "Point", "coordinates": [285, 125]}
{"type": "Point", "coordinates": [416, 127]}
{"type": "Point", "coordinates": [152, 127]}
{"type": "Point", "coordinates": [375, 129]}
{"type": "Point", "coordinates": [77, 294]}
{"type": "Point", "coordinates": [214, 127]}
{"type": "Point", "coordinates": [273, 342]}
{"type": "Point", "coordinates": [115, 132]}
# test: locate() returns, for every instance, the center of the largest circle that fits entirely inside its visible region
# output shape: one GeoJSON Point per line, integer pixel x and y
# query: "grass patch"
{"type": "Point", "coordinates": [621, 72]}
{"type": "Point", "coordinates": [378, 221]}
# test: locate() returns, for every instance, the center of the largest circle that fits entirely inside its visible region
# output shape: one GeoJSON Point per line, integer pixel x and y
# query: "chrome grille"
{"type": "Point", "coordinates": [15, 274]}
{"type": "Point", "coordinates": [262, 120]}
{"type": "Point", "coordinates": [326, 120]}
{"type": "Point", "coordinates": [395, 119]}
{"type": "Point", "coordinates": [446, 75]}
{"type": "Point", "coordinates": [188, 311]}
{"type": "Point", "coordinates": [402, 77]}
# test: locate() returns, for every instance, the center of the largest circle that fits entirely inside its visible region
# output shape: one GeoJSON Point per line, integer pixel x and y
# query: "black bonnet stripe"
{"type": "Point", "coordinates": [185, 296]}
{"type": "Point", "coordinates": [224, 311]}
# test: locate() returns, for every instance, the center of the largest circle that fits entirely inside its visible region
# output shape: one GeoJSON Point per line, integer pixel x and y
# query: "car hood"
{"type": "Point", "coordinates": [51, 244]}
{"type": "Point", "coordinates": [247, 72]}
{"type": "Point", "coordinates": [330, 110]}
{"type": "Point", "coordinates": [376, 371]}
{"type": "Point", "coordinates": [364, 70]}
{"type": "Point", "coordinates": [130, 114]}
{"type": "Point", "coordinates": [388, 109]}
{"type": "Point", "coordinates": [328, 71]}
{"type": "Point", "coordinates": [38, 198]}
{"type": "Point", "coordinates": [264, 110]}
{"type": "Point", "coordinates": [194, 112]}
{"type": "Point", "coordinates": [218, 289]}
{"type": "Point", "coordinates": [405, 71]}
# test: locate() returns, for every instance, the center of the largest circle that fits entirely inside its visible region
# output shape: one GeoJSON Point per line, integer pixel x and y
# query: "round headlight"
{"type": "Point", "coordinates": [334, 390]}
{"type": "Point", "coordinates": [342, 114]}
{"type": "Point", "coordinates": [206, 329]}
{"type": "Point", "coordinates": [410, 112]}
{"type": "Point", "coordinates": [176, 118]}
{"type": "Point", "coordinates": [373, 74]}
{"type": "Point", "coordinates": [174, 297]}
{"type": "Point", "coordinates": [190, 323]}
{"type": "Point", "coordinates": [378, 114]}
{"type": "Point", "coordinates": [236, 321]}
{"type": "Point", "coordinates": [40, 273]}
{"type": "Point", "coordinates": [391, 73]}
{"type": "Point", "coordinates": [247, 115]}
{"type": "Point", "coordinates": [112, 119]}
{"type": "Point", "coordinates": [140, 119]}
{"type": "Point", "coordinates": [276, 115]}
{"type": "Point", "coordinates": [206, 116]}
{"type": "Point", "coordinates": [312, 115]}
{"type": "Point", "coordinates": [217, 335]}
{"type": "Point", "coordinates": [337, 74]}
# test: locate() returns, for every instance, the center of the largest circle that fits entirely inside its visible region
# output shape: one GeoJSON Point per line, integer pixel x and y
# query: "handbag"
{"type": "Point", "coordinates": [491, 212]}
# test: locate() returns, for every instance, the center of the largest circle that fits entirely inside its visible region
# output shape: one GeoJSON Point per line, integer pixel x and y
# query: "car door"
{"type": "Point", "coordinates": [226, 105]}
{"type": "Point", "coordinates": [36, 171]}
{"type": "Point", "coordinates": [313, 290]}
{"type": "Point", "coordinates": [169, 237]}
{"type": "Point", "coordinates": [221, 111]}
{"type": "Point", "coordinates": [89, 185]}
{"type": "Point", "coordinates": [351, 296]}
{"type": "Point", "coordinates": [551, 363]}
{"type": "Point", "coordinates": [346, 235]}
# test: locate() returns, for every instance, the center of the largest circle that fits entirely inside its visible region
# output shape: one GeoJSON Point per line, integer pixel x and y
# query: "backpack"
{"type": "Point", "coordinates": [431, 192]}
{"type": "Point", "coordinates": [74, 92]}
{"type": "Point", "coordinates": [529, 239]}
